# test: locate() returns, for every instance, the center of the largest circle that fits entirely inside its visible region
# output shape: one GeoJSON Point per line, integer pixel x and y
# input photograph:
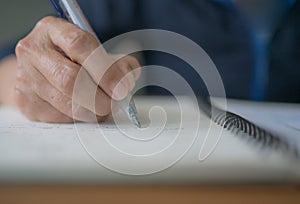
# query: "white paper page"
{"type": "Point", "coordinates": [39, 152]}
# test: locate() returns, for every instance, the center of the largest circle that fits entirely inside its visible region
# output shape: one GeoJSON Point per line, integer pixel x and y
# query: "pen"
{"type": "Point", "coordinates": [70, 10]}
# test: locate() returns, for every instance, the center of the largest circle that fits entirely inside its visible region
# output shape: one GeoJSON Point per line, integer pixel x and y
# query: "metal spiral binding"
{"type": "Point", "coordinates": [239, 125]}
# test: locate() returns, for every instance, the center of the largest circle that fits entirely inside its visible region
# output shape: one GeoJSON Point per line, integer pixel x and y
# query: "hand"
{"type": "Point", "coordinates": [46, 74]}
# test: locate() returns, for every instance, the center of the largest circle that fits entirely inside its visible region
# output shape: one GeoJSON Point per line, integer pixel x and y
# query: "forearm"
{"type": "Point", "coordinates": [8, 67]}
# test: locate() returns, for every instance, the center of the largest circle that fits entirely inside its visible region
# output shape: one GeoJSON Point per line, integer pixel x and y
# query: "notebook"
{"type": "Point", "coordinates": [179, 143]}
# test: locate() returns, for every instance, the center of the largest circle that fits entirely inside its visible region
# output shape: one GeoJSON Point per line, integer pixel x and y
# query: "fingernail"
{"type": "Point", "coordinates": [120, 91]}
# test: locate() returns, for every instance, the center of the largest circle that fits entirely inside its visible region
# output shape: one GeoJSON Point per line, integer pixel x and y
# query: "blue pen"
{"type": "Point", "coordinates": [70, 10]}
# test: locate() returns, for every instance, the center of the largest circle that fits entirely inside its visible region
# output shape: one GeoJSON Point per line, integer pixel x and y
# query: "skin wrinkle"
{"type": "Point", "coordinates": [54, 97]}
{"type": "Point", "coordinates": [46, 74]}
{"type": "Point", "coordinates": [34, 106]}
{"type": "Point", "coordinates": [58, 98]}
{"type": "Point", "coordinates": [57, 40]}
{"type": "Point", "coordinates": [59, 71]}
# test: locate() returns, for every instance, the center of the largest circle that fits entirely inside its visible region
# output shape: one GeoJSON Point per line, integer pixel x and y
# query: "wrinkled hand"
{"type": "Point", "coordinates": [46, 74]}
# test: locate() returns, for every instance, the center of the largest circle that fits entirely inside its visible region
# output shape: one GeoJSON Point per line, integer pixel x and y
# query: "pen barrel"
{"type": "Point", "coordinates": [74, 14]}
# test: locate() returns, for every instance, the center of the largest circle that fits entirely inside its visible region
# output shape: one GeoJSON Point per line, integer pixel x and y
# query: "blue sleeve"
{"type": "Point", "coordinates": [110, 18]}
{"type": "Point", "coordinates": [213, 24]}
{"type": "Point", "coordinates": [284, 83]}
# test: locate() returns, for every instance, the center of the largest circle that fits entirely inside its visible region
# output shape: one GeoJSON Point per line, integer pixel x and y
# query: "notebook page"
{"type": "Point", "coordinates": [39, 152]}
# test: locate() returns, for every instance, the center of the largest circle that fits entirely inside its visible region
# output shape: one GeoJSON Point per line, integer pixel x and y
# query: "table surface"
{"type": "Point", "coordinates": [151, 194]}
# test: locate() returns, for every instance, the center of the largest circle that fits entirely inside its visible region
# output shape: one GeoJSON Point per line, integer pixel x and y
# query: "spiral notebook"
{"type": "Point", "coordinates": [274, 137]}
{"type": "Point", "coordinates": [250, 143]}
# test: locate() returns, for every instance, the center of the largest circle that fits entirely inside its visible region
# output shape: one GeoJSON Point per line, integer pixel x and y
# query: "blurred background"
{"type": "Point", "coordinates": [265, 38]}
{"type": "Point", "coordinates": [18, 17]}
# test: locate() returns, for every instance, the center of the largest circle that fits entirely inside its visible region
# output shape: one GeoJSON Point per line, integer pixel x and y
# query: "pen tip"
{"type": "Point", "coordinates": [133, 115]}
{"type": "Point", "coordinates": [137, 122]}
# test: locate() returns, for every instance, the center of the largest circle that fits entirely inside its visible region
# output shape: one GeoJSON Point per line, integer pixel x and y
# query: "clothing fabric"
{"type": "Point", "coordinates": [269, 69]}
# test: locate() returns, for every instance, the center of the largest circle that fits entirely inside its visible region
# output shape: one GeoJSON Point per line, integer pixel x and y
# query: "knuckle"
{"type": "Point", "coordinates": [135, 60]}
{"type": "Point", "coordinates": [67, 82]}
{"type": "Point", "coordinates": [130, 65]}
{"type": "Point", "coordinates": [132, 59]}
{"type": "Point", "coordinates": [28, 43]}
{"type": "Point", "coordinates": [78, 39]}
{"type": "Point", "coordinates": [65, 78]}
{"type": "Point", "coordinates": [45, 21]}
{"type": "Point", "coordinates": [22, 47]}
{"type": "Point", "coordinates": [113, 76]}
{"type": "Point", "coordinates": [124, 65]}
{"type": "Point", "coordinates": [26, 46]}
{"type": "Point", "coordinates": [135, 66]}
{"type": "Point", "coordinates": [136, 63]}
